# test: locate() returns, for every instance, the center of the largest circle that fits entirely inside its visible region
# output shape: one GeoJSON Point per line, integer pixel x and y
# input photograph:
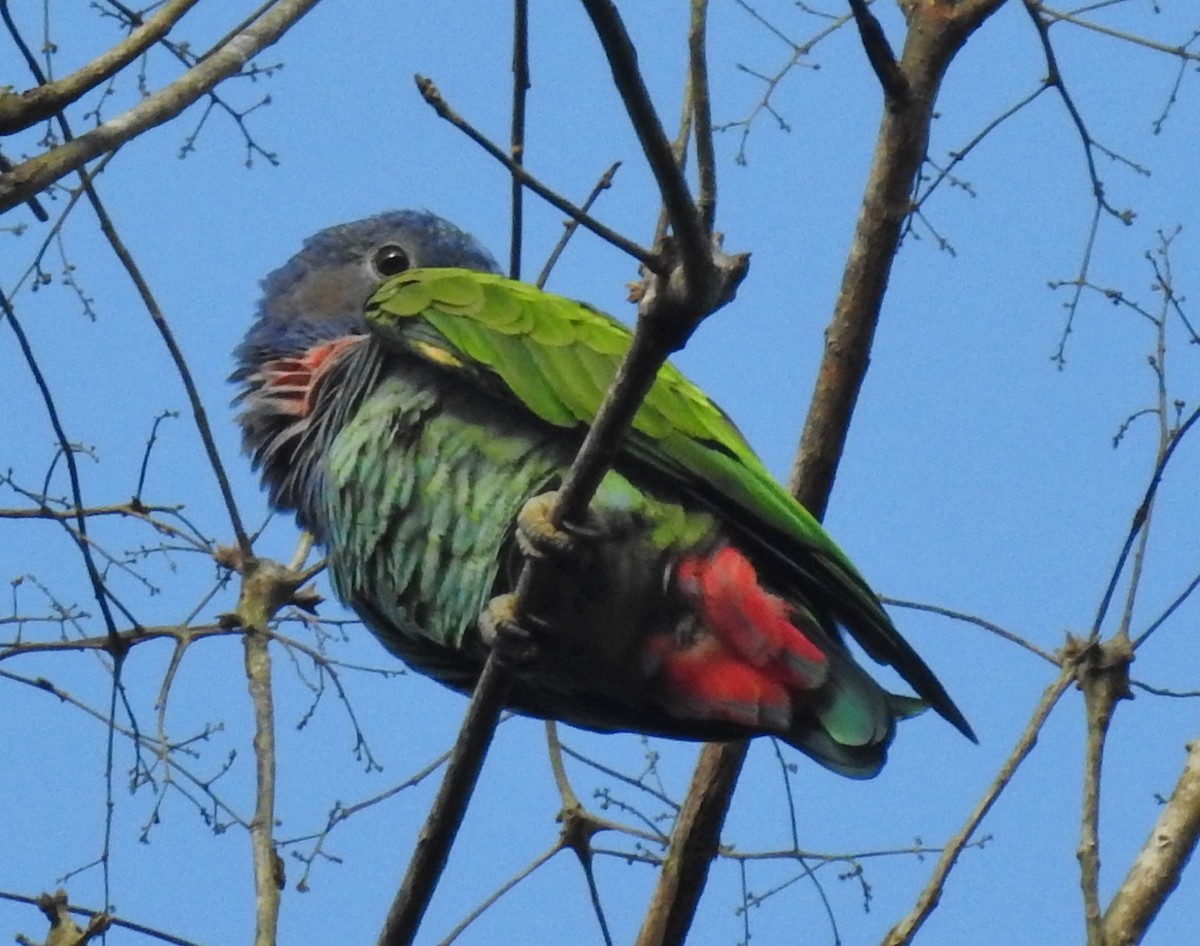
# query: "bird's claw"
{"type": "Point", "coordinates": [539, 537]}
{"type": "Point", "coordinates": [513, 641]}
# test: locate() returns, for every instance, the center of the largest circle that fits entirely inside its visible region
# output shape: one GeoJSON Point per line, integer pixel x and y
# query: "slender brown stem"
{"type": "Point", "coordinates": [701, 113]}
{"type": "Point", "coordinates": [516, 145]}
{"type": "Point", "coordinates": [903, 932]}
{"type": "Point", "coordinates": [268, 866]}
{"type": "Point", "coordinates": [441, 826]}
{"type": "Point", "coordinates": [1102, 687]}
{"type": "Point", "coordinates": [433, 96]}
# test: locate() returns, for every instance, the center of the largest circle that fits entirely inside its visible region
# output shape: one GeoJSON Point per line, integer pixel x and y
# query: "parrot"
{"type": "Point", "coordinates": [416, 411]}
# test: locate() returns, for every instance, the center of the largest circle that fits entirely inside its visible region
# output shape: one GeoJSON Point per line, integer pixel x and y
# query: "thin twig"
{"type": "Point", "coordinates": [433, 97]}
{"type": "Point", "coordinates": [977, 621]}
{"type": "Point", "coordinates": [572, 225]}
{"type": "Point", "coordinates": [199, 415]}
{"type": "Point", "coordinates": [35, 174]}
{"type": "Point", "coordinates": [1139, 519]}
{"type": "Point", "coordinates": [903, 932]}
{"type": "Point", "coordinates": [148, 931]}
{"type": "Point", "coordinates": [1180, 51]}
{"type": "Point", "coordinates": [99, 591]}
{"type": "Point", "coordinates": [516, 147]}
{"type": "Point", "coordinates": [19, 110]}
{"type": "Point", "coordinates": [500, 891]}
{"type": "Point", "coordinates": [701, 112]}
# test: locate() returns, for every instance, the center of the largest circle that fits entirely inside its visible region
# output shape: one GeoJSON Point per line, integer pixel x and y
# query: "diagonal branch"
{"type": "Point", "coordinates": [433, 96]}
{"type": "Point", "coordinates": [686, 221]}
{"type": "Point", "coordinates": [903, 932]}
{"type": "Point", "coordinates": [879, 53]}
{"type": "Point", "coordinates": [31, 176]}
{"type": "Point", "coordinates": [19, 110]}
{"type": "Point", "coordinates": [1139, 520]}
{"type": "Point", "coordinates": [656, 336]}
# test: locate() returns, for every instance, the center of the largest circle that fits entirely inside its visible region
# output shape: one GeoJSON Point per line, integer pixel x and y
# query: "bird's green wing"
{"type": "Point", "coordinates": [557, 357]}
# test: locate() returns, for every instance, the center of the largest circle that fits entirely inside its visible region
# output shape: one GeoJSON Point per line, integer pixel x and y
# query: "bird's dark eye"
{"type": "Point", "coordinates": [390, 260]}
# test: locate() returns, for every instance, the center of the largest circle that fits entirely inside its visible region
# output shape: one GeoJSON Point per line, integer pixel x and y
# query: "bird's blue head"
{"type": "Point", "coordinates": [302, 367]}
{"type": "Point", "coordinates": [321, 291]}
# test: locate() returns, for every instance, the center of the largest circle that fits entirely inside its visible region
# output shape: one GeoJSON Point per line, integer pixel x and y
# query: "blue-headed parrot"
{"type": "Point", "coordinates": [413, 408]}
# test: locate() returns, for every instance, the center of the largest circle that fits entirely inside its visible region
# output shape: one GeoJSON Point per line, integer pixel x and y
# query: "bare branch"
{"type": "Point", "coordinates": [879, 52]}
{"type": "Point", "coordinates": [199, 415]}
{"type": "Point", "coordinates": [570, 226]}
{"type": "Point", "coordinates": [268, 866]}
{"type": "Point", "coordinates": [1102, 671]}
{"type": "Point", "coordinates": [520, 68]}
{"type": "Point", "coordinates": [31, 176]}
{"type": "Point", "coordinates": [903, 932]}
{"type": "Point", "coordinates": [432, 95]}
{"type": "Point", "coordinates": [1139, 520]}
{"type": "Point", "coordinates": [701, 112]}
{"type": "Point", "coordinates": [686, 221]}
{"type": "Point", "coordinates": [113, 921]}
{"type": "Point", "coordinates": [99, 591]}
{"type": "Point", "coordinates": [21, 109]}
{"type": "Point", "coordinates": [977, 621]}
{"type": "Point", "coordinates": [1159, 865]}
{"type": "Point", "coordinates": [1181, 51]}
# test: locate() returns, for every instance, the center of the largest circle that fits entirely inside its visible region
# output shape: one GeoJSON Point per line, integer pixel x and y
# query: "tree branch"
{"type": "Point", "coordinates": [903, 932]}
{"type": "Point", "coordinates": [520, 68]}
{"type": "Point", "coordinates": [686, 221]}
{"type": "Point", "coordinates": [1159, 865]}
{"type": "Point", "coordinates": [19, 110]}
{"type": "Point", "coordinates": [879, 52]}
{"type": "Point", "coordinates": [433, 97]}
{"type": "Point", "coordinates": [1102, 671]}
{"type": "Point", "coordinates": [268, 866]}
{"type": "Point", "coordinates": [706, 162]}
{"type": "Point", "coordinates": [31, 176]}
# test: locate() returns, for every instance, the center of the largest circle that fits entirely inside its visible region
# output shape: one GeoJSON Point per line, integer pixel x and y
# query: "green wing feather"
{"type": "Point", "coordinates": [557, 357]}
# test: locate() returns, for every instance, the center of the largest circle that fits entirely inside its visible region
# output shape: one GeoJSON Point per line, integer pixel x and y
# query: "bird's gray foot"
{"type": "Point", "coordinates": [538, 537]}
{"type": "Point", "coordinates": [515, 642]}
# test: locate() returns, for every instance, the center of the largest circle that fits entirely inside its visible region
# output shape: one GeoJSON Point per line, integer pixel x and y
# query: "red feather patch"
{"type": "Point", "coordinates": [747, 661]}
{"type": "Point", "coordinates": [294, 381]}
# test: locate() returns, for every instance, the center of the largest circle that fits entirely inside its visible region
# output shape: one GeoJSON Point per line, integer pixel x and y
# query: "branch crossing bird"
{"type": "Point", "coordinates": [416, 410]}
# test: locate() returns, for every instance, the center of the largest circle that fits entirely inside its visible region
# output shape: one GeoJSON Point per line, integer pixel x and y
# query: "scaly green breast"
{"type": "Point", "coordinates": [423, 487]}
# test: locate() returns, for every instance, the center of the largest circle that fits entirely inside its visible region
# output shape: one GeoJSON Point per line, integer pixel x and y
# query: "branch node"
{"type": "Point", "coordinates": [879, 51]}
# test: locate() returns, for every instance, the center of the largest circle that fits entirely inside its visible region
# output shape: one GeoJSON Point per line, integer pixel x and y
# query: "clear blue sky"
{"type": "Point", "coordinates": [978, 476]}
